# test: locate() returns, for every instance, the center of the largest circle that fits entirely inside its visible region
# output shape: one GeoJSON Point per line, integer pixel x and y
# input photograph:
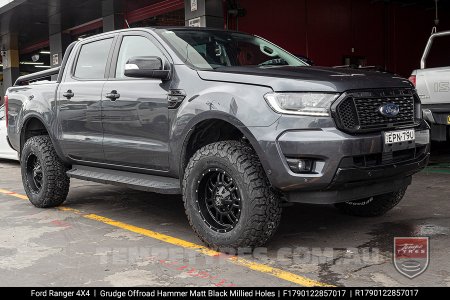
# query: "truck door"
{"type": "Point", "coordinates": [79, 100]}
{"type": "Point", "coordinates": [135, 111]}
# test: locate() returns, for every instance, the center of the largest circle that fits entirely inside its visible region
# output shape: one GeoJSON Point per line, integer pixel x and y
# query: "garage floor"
{"type": "Point", "coordinates": [110, 236]}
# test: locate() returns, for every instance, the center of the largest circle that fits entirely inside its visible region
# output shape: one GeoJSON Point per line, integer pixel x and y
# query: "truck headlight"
{"type": "Point", "coordinates": [306, 104]}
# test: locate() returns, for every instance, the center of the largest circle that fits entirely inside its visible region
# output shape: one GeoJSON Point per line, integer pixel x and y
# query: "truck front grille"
{"type": "Point", "coordinates": [360, 111]}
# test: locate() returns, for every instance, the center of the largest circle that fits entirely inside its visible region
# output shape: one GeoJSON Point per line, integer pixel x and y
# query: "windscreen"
{"type": "Point", "coordinates": [216, 49]}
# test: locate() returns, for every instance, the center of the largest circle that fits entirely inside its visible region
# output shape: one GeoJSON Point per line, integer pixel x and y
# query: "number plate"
{"type": "Point", "coordinates": [393, 137]}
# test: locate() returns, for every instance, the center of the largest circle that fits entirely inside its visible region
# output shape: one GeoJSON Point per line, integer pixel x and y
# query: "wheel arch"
{"type": "Point", "coordinates": [34, 125]}
{"type": "Point", "coordinates": [234, 130]}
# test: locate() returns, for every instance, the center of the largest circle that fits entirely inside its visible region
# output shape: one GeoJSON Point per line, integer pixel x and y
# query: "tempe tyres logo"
{"type": "Point", "coordinates": [411, 255]}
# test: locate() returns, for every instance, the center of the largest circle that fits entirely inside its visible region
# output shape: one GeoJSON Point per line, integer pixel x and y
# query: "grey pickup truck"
{"type": "Point", "coordinates": [232, 122]}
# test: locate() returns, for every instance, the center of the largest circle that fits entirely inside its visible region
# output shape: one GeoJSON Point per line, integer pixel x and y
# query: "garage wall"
{"type": "Point", "coordinates": [388, 35]}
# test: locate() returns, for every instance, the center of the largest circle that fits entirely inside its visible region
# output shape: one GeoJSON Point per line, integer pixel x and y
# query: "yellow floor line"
{"type": "Point", "coordinates": [23, 197]}
{"type": "Point", "coordinates": [73, 210]}
{"type": "Point", "coordinates": [154, 235]}
{"type": "Point", "coordinates": [262, 268]}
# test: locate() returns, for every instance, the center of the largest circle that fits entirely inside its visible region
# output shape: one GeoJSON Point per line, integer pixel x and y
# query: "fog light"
{"type": "Point", "coordinates": [301, 165]}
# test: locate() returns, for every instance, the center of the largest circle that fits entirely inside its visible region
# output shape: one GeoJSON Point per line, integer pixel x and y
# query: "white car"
{"type": "Point", "coordinates": [433, 87]}
{"type": "Point", "coordinates": [6, 152]}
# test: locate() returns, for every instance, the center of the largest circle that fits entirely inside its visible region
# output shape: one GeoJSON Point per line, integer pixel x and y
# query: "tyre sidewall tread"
{"type": "Point", "coordinates": [379, 206]}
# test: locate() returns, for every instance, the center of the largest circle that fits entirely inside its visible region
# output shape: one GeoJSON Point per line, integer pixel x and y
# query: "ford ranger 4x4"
{"type": "Point", "coordinates": [232, 122]}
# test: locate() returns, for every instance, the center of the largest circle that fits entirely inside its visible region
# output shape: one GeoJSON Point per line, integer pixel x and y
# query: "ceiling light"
{"type": "Point", "coordinates": [31, 63]}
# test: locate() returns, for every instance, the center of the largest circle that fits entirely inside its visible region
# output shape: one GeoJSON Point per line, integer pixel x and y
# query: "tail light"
{"type": "Point", "coordinates": [6, 110]}
{"type": "Point", "coordinates": [412, 78]}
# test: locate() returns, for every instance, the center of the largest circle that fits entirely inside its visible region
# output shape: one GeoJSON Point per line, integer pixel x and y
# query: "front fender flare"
{"type": "Point", "coordinates": [180, 147]}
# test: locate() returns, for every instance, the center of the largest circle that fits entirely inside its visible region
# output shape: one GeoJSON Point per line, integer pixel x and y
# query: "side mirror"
{"type": "Point", "coordinates": [146, 67]}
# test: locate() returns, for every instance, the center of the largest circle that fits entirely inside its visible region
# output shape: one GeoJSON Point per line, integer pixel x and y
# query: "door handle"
{"type": "Point", "coordinates": [113, 96]}
{"type": "Point", "coordinates": [69, 94]}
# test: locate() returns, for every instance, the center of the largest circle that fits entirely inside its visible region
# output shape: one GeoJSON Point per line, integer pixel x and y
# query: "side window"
{"type": "Point", "coordinates": [92, 60]}
{"type": "Point", "coordinates": [133, 46]}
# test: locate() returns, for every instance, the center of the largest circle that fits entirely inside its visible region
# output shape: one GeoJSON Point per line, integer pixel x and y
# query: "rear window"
{"type": "Point", "coordinates": [92, 60]}
{"type": "Point", "coordinates": [439, 55]}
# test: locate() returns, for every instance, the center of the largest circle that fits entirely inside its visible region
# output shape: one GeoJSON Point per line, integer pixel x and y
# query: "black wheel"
{"type": "Point", "coordinates": [219, 200]}
{"type": "Point", "coordinates": [372, 207]}
{"type": "Point", "coordinates": [228, 199]}
{"type": "Point", "coordinates": [43, 174]}
{"type": "Point", "coordinates": [34, 173]}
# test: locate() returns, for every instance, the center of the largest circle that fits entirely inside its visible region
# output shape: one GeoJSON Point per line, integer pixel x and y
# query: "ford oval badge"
{"type": "Point", "coordinates": [389, 110]}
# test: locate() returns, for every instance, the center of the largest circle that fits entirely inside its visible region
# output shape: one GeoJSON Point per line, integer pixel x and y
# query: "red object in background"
{"type": "Point", "coordinates": [34, 47]}
{"type": "Point", "coordinates": [411, 248]}
{"type": "Point", "coordinates": [89, 26]}
{"type": "Point", "coordinates": [327, 30]}
{"type": "Point", "coordinates": [6, 110]}
{"type": "Point", "coordinates": [412, 78]}
{"type": "Point", "coordinates": [152, 10]}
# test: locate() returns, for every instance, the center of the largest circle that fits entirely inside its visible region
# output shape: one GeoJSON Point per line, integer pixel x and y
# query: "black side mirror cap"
{"type": "Point", "coordinates": [146, 67]}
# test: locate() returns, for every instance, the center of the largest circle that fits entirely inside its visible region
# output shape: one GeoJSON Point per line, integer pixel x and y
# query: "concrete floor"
{"type": "Point", "coordinates": [63, 248]}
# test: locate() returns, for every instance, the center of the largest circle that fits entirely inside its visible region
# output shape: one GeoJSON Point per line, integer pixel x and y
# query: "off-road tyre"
{"type": "Point", "coordinates": [239, 168]}
{"type": "Point", "coordinates": [43, 173]}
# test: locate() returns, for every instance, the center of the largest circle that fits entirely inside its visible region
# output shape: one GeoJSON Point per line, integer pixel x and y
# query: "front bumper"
{"type": "Point", "coordinates": [348, 167]}
{"type": "Point", "coordinates": [356, 184]}
{"type": "Point", "coordinates": [438, 114]}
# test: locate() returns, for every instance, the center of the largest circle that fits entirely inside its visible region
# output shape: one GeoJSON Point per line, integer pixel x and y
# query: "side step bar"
{"type": "Point", "coordinates": [142, 182]}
